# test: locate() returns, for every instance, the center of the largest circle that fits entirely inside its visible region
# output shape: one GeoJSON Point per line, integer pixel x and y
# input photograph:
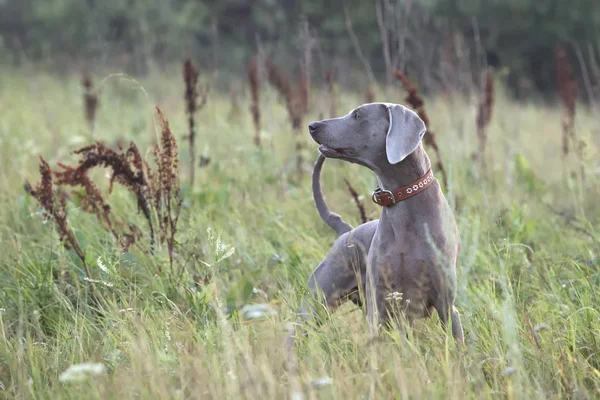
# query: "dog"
{"type": "Point", "coordinates": [406, 260]}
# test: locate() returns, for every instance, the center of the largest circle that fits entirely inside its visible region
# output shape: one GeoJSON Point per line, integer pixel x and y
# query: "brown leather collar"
{"type": "Point", "coordinates": [386, 198]}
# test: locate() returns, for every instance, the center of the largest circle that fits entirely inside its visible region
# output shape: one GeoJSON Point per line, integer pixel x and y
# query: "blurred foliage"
{"type": "Point", "coordinates": [518, 35]}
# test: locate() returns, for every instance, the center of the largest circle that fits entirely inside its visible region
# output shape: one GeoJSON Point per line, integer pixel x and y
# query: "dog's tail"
{"type": "Point", "coordinates": [332, 219]}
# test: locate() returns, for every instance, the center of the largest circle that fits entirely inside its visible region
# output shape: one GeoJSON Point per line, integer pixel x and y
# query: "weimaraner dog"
{"type": "Point", "coordinates": [405, 260]}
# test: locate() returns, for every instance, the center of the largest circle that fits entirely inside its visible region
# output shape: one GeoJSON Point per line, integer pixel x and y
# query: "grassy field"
{"type": "Point", "coordinates": [528, 271]}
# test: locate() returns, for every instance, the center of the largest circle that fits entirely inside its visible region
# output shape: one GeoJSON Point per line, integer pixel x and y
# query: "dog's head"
{"type": "Point", "coordinates": [371, 132]}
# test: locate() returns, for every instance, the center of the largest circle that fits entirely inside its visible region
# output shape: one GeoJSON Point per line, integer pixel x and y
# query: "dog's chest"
{"type": "Point", "coordinates": [412, 289]}
{"type": "Point", "coordinates": [411, 257]}
{"type": "Point", "coordinates": [404, 275]}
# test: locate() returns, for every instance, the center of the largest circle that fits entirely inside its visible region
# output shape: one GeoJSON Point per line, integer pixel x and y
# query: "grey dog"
{"type": "Point", "coordinates": [405, 260]}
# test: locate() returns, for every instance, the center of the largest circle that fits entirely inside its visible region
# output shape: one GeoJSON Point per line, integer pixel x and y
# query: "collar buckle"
{"type": "Point", "coordinates": [377, 200]}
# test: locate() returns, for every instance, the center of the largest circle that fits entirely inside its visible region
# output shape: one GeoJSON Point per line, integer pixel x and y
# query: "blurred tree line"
{"type": "Point", "coordinates": [440, 42]}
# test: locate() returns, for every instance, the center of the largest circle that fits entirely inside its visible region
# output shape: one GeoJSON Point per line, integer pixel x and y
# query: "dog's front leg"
{"type": "Point", "coordinates": [337, 279]}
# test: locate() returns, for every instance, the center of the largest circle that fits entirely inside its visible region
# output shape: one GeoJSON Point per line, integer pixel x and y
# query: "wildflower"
{"type": "Point", "coordinates": [255, 311]}
{"type": "Point", "coordinates": [393, 296]}
{"type": "Point", "coordinates": [107, 284]}
{"type": "Point", "coordinates": [102, 266]}
{"type": "Point", "coordinates": [81, 372]}
{"type": "Point", "coordinates": [260, 293]}
{"type": "Point", "coordinates": [322, 382]}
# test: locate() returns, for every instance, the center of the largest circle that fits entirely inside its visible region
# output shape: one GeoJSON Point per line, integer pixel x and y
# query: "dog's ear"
{"type": "Point", "coordinates": [404, 134]}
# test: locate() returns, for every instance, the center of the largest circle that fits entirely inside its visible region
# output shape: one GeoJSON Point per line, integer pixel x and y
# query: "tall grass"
{"type": "Point", "coordinates": [528, 271]}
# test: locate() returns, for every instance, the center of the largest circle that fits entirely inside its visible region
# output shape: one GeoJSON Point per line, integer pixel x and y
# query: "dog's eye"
{"type": "Point", "coordinates": [356, 116]}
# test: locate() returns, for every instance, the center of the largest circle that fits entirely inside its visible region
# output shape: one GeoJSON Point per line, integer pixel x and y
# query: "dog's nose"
{"type": "Point", "coordinates": [312, 127]}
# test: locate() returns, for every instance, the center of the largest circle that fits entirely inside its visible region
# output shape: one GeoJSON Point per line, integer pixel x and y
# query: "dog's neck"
{"type": "Point", "coordinates": [413, 167]}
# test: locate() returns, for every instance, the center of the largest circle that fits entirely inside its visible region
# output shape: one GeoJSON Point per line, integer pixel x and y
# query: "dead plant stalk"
{"type": "Point", "coordinates": [254, 82]}
{"type": "Point", "coordinates": [567, 89]}
{"type": "Point", "coordinates": [157, 192]}
{"type": "Point", "coordinates": [90, 99]}
{"type": "Point", "coordinates": [54, 207]}
{"type": "Point", "coordinates": [190, 77]}
{"type": "Point", "coordinates": [418, 104]}
{"type": "Point", "coordinates": [484, 116]}
{"type": "Point", "coordinates": [357, 201]}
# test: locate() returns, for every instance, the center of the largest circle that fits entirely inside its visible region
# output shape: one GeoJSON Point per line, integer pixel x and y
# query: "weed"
{"type": "Point", "coordinates": [190, 77]}
{"type": "Point", "coordinates": [416, 102]}
{"type": "Point", "coordinates": [165, 185]}
{"type": "Point", "coordinates": [90, 99]}
{"type": "Point", "coordinates": [484, 115]}
{"type": "Point", "coordinates": [330, 82]}
{"type": "Point", "coordinates": [254, 81]}
{"type": "Point", "coordinates": [157, 192]}
{"type": "Point", "coordinates": [369, 95]}
{"type": "Point", "coordinates": [357, 201]}
{"type": "Point", "coordinates": [55, 207]}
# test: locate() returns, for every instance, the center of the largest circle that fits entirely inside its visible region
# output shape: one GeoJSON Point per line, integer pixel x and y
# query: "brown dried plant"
{"type": "Point", "coordinates": [330, 82]}
{"type": "Point", "coordinates": [190, 77]}
{"type": "Point", "coordinates": [167, 200]}
{"type": "Point", "coordinates": [93, 200]}
{"type": "Point", "coordinates": [55, 207]}
{"type": "Point", "coordinates": [278, 79]}
{"type": "Point", "coordinates": [254, 81]}
{"type": "Point", "coordinates": [359, 204]}
{"type": "Point", "coordinates": [234, 111]}
{"type": "Point", "coordinates": [484, 115]}
{"type": "Point", "coordinates": [369, 95]}
{"type": "Point", "coordinates": [128, 169]}
{"type": "Point", "coordinates": [90, 98]}
{"type": "Point", "coordinates": [157, 192]}
{"type": "Point", "coordinates": [416, 102]}
{"type": "Point", "coordinates": [296, 101]}
{"type": "Point", "coordinates": [567, 89]}
{"type": "Point", "coordinates": [303, 91]}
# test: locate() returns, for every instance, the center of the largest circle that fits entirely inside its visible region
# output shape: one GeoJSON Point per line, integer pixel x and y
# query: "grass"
{"type": "Point", "coordinates": [528, 277]}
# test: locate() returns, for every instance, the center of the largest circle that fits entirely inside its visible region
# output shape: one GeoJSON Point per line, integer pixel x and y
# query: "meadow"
{"type": "Point", "coordinates": [249, 236]}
